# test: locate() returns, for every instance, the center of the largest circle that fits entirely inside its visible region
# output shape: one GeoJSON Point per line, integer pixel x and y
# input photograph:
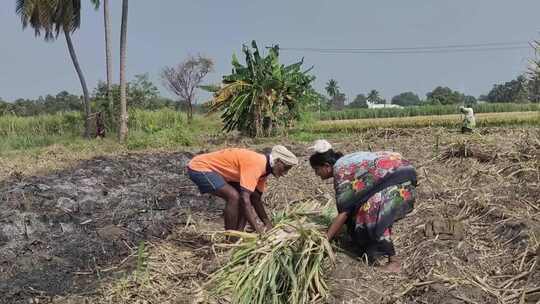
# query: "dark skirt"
{"type": "Point", "coordinates": [371, 227]}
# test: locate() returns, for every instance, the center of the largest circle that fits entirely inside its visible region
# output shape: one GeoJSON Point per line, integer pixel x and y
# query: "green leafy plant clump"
{"type": "Point", "coordinates": [262, 97]}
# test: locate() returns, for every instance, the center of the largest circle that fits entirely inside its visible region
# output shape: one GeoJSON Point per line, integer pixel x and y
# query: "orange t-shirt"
{"type": "Point", "coordinates": [235, 165]}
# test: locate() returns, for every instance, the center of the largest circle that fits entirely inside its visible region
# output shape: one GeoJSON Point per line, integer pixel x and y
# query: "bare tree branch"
{"type": "Point", "coordinates": [183, 79]}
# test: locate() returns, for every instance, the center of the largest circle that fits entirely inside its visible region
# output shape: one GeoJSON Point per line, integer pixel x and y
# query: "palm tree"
{"type": "Point", "coordinates": [123, 128]}
{"type": "Point", "coordinates": [51, 18]}
{"type": "Point", "coordinates": [108, 57]}
{"type": "Point", "coordinates": [373, 97]}
{"type": "Point", "coordinates": [332, 88]}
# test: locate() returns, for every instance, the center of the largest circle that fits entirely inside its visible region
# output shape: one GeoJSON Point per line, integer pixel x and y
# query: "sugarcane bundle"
{"type": "Point", "coordinates": [285, 265]}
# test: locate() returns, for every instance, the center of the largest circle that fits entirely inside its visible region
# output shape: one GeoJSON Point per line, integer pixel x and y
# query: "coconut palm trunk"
{"type": "Point", "coordinates": [108, 57]}
{"type": "Point", "coordinates": [123, 128]}
{"type": "Point", "coordinates": [86, 99]}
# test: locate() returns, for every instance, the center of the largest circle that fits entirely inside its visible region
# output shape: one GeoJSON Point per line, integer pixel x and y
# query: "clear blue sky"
{"type": "Point", "coordinates": [164, 32]}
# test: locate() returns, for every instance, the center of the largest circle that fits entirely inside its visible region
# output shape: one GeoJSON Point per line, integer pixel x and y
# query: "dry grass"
{"type": "Point", "coordinates": [482, 119]}
{"type": "Point", "coordinates": [495, 200]}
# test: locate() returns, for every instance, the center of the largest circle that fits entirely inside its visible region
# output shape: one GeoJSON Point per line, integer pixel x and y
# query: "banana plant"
{"type": "Point", "coordinates": [262, 97]}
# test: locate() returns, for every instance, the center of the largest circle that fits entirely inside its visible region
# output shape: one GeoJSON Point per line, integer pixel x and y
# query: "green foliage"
{"type": "Point", "coordinates": [51, 17]}
{"type": "Point", "coordinates": [406, 99]}
{"type": "Point", "coordinates": [262, 97]}
{"type": "Point", "coordinates": [42, 125]}
{"type": "Point", "coordinates": [425, 110]}
{"type": "Point", "coordinates": [512, 91]}
{"type": "Point", "coordinates": [332, 88]}
{"type": "Point", "coordinates": [359, 102]}
{"type": "Point", "coordinates": [445, 96]}
{"type": "Point", "coordinates": [165, 128]}
{"type": "Point", "coordinates": [26, 142]}
{"type": "Point", "coordinates": [142, 93]}
{"type": "Point", "coordinates": [337, 99]}
{"type": "Point", "coordinates": [314, 101]}
{"type": "Point", "coordinates": [374, 98]}
{"type": "Point", "coordinates": [61, 102]}
{"type": "Point", "coordinates": [142, 256]}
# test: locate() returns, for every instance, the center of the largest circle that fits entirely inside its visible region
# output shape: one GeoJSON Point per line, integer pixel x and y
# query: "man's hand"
{"type": "Point", "coordinates": [249, 212]}
{"type": "Point", "coordinates": [259, 209]}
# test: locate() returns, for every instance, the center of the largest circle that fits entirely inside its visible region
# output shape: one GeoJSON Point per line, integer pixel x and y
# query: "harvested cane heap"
{"type": "Point", "coordinates": [285, 265]}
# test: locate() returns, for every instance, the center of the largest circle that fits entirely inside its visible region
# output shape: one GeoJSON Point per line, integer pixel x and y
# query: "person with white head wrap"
{"type": "Point", "coordinates": [239, 176]}
{"type": "Point", "coordinates": [284, 155]}
{"type": "Point", "coordinates": [321, 146]}
{"type": "Point", "coordinates": [469, 122]}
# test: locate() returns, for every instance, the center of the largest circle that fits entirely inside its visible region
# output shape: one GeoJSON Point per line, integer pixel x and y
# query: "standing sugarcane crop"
{"type": "Point", "coordinates": [239, 177]}
{"type": "Point", "coordinates": [373, 190]}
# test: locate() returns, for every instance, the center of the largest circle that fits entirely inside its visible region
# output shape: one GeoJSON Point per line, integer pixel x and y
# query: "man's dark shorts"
{"type": "Point", "coordinates": [209, 182]}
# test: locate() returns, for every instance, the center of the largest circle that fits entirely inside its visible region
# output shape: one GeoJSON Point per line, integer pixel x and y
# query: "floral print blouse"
{"type": "Point", "coordinates": [355, 175]}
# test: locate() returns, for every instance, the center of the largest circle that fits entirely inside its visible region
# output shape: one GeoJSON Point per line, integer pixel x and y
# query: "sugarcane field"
{"type": "Point", "coordinates": [174, 152]}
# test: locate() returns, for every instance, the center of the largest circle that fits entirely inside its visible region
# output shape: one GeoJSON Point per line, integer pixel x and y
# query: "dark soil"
{"type": "Point", "coordinates": [59, 232]}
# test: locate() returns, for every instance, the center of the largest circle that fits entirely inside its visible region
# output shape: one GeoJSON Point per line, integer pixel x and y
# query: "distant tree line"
{"type": "Point", "coordinates": [141, 94]}
{"type": "Point", "coordinates": [144, 94]}
{"type": "Point", "coordinates": [520, 90]}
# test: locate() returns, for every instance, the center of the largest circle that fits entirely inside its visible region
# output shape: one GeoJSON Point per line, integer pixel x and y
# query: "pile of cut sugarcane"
{"type": "Point", "coordinates": [285, 265]}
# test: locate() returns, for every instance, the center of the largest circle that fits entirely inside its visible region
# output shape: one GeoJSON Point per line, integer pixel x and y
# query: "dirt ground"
{"type": "Point", "coordinates": [73, 235]}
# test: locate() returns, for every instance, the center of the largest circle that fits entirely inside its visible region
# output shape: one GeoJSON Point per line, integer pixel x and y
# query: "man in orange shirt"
{"type": "Point", "coordinates": [239, 177]}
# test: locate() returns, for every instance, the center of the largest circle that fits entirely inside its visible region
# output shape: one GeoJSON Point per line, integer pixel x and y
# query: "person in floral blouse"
{"type": "Point", "coordinates": [373, 190]}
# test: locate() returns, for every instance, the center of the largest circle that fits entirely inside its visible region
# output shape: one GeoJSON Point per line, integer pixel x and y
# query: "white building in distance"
{"type": "Point", "coordinates": [380, 106]}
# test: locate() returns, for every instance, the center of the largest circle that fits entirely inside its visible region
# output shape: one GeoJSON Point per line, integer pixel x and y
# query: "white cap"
{"type": "Point", "coordinates": [321, 146]}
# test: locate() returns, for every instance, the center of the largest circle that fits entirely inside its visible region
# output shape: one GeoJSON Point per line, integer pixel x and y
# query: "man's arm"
{"type": "Point", "coordinates": [338, 222]}
{"type": "Point", "coordinates": [249, 212]}
{"type": "Point", "coordinates": [259, 208]}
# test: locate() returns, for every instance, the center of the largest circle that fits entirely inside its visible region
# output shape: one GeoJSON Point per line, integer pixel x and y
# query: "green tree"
{"type": "Point", "coordinates": [4, 107]}
{"type": "Point", "coordinates": [51, 18]}
{"type": "Point", "coordinates": [332, 88]}
{"type": "Point", "coordinates": [374, 97]}
{"type": "Point", "coordinates": [444, 96]}
{"type": "Point", "coordinates": [142, 93]}
{"type": "Point", "coordinates": [360, 101]}
{"type": "Point", "coordinates": [50, 104]}
{"type": "Point", "coordinates": [406, 99]}
{"type": "Point", "coordinates": [123, 121]}
{"type": "Point", "coordinates": [511, 91]}
{"type": "Point", "coordinates": [62, 102]}
{"type": "Point", "coordinates": [263, 96]}
{"type": "Point", "coordinates": [337, 99]}
{"type": "Point", "coordinates": [482, 97]}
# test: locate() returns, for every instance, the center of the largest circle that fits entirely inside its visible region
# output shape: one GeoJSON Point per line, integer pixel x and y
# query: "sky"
{"type": "Point", "coordinates": [163, 33]}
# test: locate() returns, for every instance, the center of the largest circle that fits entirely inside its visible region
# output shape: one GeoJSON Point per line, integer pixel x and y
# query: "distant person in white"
{"type": "Point", "coordinates": [468, 122]}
